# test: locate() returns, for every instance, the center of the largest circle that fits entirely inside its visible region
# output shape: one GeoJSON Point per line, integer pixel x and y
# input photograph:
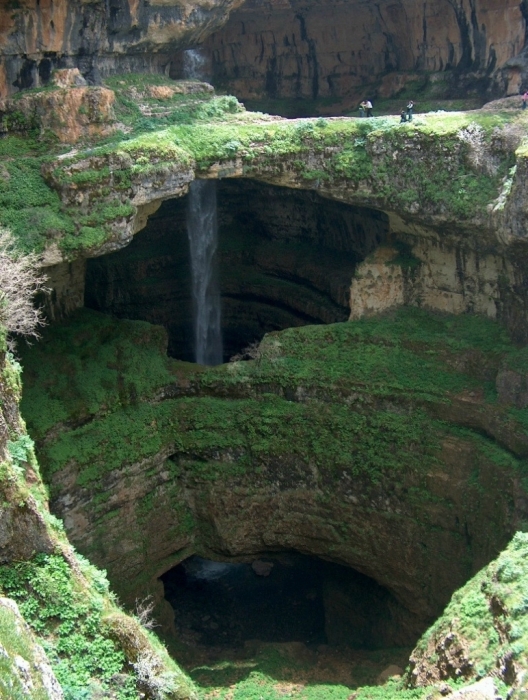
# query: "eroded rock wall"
{"type": "Point", "coordinates": [359, 443]}
{"type": "Point", "coordinates": [453, 279]}
{"type": "Point", "coordinates": [285, 259]}
{"type": "Point", "coordinates": [340, 51]}
{"type": "Point", "coordinates": [98, 37]}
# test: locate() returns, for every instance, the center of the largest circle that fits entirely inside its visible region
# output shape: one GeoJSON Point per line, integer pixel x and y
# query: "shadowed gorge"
{"type": "Point", "coordinates": [285, 259]}
{"type": "Point", "coordinates": [283, 598]}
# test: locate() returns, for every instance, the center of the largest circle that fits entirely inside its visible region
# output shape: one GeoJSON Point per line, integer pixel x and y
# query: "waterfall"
{"type": "Point", "coordinates": [194, 65]}
{"type": "Point", "coordinates": [202, 231]}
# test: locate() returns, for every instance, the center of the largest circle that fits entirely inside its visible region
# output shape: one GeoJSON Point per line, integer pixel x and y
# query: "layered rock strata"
{"type": "Point", "coordinates": [286, 259]}
{"type": "Point", "coordinates": [452, 187]}
{"type": "Point", "coordinates": [98, 37]}
{"type": "Point", "coordinates": [323, 57]}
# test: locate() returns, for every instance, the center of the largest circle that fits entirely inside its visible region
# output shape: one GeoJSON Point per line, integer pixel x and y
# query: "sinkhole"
{"type": "Point", "coordinates": [285, 257]}
{"type": "Point", "coordinates": [286, 597]}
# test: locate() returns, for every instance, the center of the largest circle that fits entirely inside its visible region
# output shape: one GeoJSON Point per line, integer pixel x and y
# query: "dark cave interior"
{"type": "Point", "coordinates": [286, 259]}
{"type": "Point", "coordinates": [284, 597]}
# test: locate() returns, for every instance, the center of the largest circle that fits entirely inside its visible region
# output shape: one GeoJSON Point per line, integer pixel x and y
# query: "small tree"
{"type": "Point", "coordinates": [20, 280]}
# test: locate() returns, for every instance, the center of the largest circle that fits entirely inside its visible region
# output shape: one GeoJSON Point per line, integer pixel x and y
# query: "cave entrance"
{"type": "Point", "coordinates": [284, 599]}
{"type": "Point", "coordinates": [286, 259]}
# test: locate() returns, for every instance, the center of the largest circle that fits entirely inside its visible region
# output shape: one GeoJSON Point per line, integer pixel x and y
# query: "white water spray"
{"type": "Point", "coordinates": [202, 230]}
{"type": "Point", "coordinates": [194, 65]}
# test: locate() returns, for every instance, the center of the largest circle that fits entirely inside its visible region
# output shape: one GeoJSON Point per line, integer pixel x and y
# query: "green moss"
{"type": "Point", "coordinates": [28, 206]}
{"type": "Point", "coordinates": [94, 365]}
{"type": "Point", "coordinates": [398, 164]}
{"type": "Point", "coordinates": [67, 617]}
{"type": "Point", "coordinates": [105, 377]}
{"type": "Point", "coordinates": [380, 354]}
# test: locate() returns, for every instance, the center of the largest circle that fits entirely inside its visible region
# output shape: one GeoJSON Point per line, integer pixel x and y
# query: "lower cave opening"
{"type": "Point", "coordinates": [286, 597]}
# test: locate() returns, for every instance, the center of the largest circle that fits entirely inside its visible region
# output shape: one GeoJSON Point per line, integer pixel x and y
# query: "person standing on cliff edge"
{"type": "Point", "coordinates": [410, 107]}
{"type": "Point", "coordinates": [368, 107]}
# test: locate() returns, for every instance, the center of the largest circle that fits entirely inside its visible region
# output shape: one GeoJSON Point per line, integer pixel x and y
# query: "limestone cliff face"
{"type": "Point", "coordinates": [286, 259]}
{"type": "Point", "coordinates": [341, 51]}
{"type": "Point", "coordinates": [98, 36]}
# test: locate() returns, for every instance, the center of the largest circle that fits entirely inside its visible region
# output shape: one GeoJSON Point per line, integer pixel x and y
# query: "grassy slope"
{"type": "Point", "coordinates": [97, 368]}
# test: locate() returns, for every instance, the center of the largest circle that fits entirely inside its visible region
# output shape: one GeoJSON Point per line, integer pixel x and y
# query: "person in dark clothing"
{"type": "Point", "coordinates": [403, 116]}
{"type": "Point", "coordinates": [410, 107]}
{"type": "Point", "coordinates": [362, 108]}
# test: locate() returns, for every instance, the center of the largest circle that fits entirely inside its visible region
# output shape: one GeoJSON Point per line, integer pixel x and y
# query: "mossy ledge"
{"type": "Point", "coordinates": [462, 171]}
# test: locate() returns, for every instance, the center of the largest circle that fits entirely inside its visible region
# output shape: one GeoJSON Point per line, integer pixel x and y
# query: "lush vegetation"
{"type": "Point", "coordinates": [357, 398]}
{"type": "Point", "coordinates": [65, 601]}
{"type": "Point", "coordinates": [67, 618]}
{"type": "Point", "coordinates": [322, 395]}
{"type": "Point", "coordinates": [487, 618]}
{"type": "Point", "coordinates": [170, 135]}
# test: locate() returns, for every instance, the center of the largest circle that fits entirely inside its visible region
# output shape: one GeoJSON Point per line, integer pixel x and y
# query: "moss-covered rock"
{"type": "Point", "coordinates": [25, 671]}
{"type": "Point", "coordinates": [343, 441]}
{"type": "Point", "coordinates": [62, 598]}
{"type": "Point", "coordinates": [484, 629]}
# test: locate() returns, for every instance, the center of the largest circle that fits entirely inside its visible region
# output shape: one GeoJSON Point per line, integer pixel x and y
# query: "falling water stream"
{"type": "Point", "coordinates": [194, 64]}
{"type": "Point", "coordinates": [202, 230]}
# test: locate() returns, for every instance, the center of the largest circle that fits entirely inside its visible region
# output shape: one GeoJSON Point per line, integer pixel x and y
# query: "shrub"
{"type": "Point", "coordinates": [19, 282]}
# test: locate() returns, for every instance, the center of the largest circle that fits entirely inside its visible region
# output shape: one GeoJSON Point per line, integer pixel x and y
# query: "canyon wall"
{"type": "Point", "coordinates": [333, 52]}
{"type": "Point", "coordinates": [339, 52]}
{"type": "Point", "coordinates": [97, 36]}
{"type": "Point", "coordinates": [286, 259]}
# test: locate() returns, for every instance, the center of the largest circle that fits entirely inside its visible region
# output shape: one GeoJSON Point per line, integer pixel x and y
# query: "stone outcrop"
{"type": "Point", "coordinates": [23, 528]}
{"type": "Point", "coordinates": [429, 274]}
{"type": "Point", "coordinates": [98, 37]}
{"type": "Point", "coordinates": [323, 57]}
{"type": "Point", "coordinates": [482, 631]}
{"type": "Point", "coordinates": [455, 198]}
{"type": "Point", "coordinates": [70, 112]}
